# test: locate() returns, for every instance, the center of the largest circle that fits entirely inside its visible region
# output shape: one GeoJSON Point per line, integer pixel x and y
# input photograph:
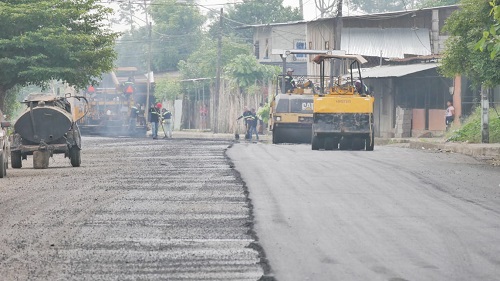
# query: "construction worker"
{"type": "Point", "coordinates": [129, 87]}
{"type": "Point", "coordinates": [134, 112]}
{"type": "Point", "coordinates": [154, 118]}
{"type": "Point", "coordinates": [289, 81]}
{"type": "Point", "coordinates": [247, 116]}
{"type": "Point", "coordinates": [450, 114]}
{"type": "Point", "coordinates": [361, 88]}
{"type": "Point", "coordinates": [252, 120]}
{"type": "Point", "coordinates": [166, 116]}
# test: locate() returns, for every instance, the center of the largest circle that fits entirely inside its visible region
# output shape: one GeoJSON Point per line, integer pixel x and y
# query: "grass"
{"type": "Point", "coordinates": [471, 128]}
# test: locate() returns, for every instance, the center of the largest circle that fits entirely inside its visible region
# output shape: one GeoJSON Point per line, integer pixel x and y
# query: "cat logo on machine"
{"type": "Point", "coordinates": [307, 106]}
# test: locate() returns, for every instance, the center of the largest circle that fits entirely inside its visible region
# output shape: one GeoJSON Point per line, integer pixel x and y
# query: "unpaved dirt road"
{"type": "Point", "coordinates": [393, 214]}
{"type": "Point", "coordinates": [136, 210]}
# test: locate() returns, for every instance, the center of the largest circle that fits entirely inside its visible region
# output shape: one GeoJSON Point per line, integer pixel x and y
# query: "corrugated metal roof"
{"type": "Point", "coordinates": [395, 70]}
{"type": "Point", "coordinates": [272, 24]}
{"type": "Point", "coordinates": [393, 42]}
{"type": "Point", "coordinates": [374, 16]}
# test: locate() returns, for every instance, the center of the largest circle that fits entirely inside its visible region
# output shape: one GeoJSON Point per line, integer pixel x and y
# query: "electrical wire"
{"type": "Point", "coordinates": [160, 4]}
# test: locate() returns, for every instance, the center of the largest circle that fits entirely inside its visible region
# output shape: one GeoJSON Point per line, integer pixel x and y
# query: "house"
{"type": "Point", "coordinates": [291, 35]}
{"type": "Point", "coordinates": [403, 50]}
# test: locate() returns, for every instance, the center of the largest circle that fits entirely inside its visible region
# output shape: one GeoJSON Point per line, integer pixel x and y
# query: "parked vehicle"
{"type": "Point", "coordinates": [46, 127]}
{"type": "Point", "coordinates": [4, 146]}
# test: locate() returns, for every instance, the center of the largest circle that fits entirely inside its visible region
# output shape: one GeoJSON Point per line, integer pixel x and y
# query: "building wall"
{"type": "Point", "coordinates": [267, 38]}
{"type": "Point", "coordinates": [320, 36]}
{"type": "Point", "coordinates": [322, 30]}
{"type": "Point", "coordinates": [425, 92]}
{"type": "Point", "coordinates": [384, 111]}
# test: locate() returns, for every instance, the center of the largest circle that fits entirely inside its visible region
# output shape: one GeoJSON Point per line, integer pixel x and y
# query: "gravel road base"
{"type": "Point", "coordinates": [137, 209]}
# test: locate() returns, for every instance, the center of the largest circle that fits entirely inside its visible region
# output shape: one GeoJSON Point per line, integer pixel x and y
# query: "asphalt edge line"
{"type": "Point", "coordinates": [255, 245]}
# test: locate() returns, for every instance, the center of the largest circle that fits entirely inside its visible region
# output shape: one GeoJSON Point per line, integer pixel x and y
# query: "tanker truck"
{"type": "Point", "coordinates": [46, 127]}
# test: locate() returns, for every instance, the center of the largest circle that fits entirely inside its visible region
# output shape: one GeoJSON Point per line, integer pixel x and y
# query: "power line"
{"type": "Point", "coordinates": [162, 4]}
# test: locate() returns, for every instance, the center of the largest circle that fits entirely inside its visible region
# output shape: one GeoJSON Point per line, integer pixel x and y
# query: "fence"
{"type": "Point", "coordinates": [231, 103]}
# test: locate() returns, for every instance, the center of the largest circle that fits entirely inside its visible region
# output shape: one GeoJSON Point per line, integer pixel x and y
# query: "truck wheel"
{"type": "Point", "coordinates": [316, 143]}
{"type": "Point", "coordinates": [74, 156]}
{"type": "Point", "coordinates": [3, 165]}
{"type": "Point", "coordinates": [15, 160]}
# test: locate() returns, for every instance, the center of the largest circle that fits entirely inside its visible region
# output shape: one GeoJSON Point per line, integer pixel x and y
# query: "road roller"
{"type": "Point", "coordinates": [343, 111]}
{"type": "Point", "coordinates": [46, 127]}
{"type": "Point", "coordinates": [291, 110]}
{"type": "Point", "coordinates": [291, 117]}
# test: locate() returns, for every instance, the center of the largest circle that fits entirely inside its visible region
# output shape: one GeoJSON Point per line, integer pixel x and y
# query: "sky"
{"type": "Point", "coordinates": [309, 6]}
{"type": "Point", "coordinates": [310, 12]}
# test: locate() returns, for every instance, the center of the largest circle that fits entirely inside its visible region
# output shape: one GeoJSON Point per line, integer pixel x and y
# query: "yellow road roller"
{"type": "Point", "coordinates": [343, 111]}
{"type": "Point", "coordinates": [291, 116]}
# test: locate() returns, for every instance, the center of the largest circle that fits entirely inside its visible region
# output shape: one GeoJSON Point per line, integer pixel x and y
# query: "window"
{"type": "Point", "coordinates": [300, 45]}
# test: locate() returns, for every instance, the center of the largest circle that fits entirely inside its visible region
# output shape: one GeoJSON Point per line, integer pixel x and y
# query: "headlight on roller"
{"type": "Point", "coordinates": [278, 118]}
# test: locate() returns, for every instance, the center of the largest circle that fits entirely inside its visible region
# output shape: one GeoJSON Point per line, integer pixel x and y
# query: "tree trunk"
{"type": "Point", "coordinates": [3, 95]}
{"type": "Point", "coordinates": [485, 118]}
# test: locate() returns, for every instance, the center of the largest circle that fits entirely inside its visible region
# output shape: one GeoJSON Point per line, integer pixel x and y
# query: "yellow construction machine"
{"type": "Point", "coordinates": [343, 111]}
{"type": "Point", "coordinates": [110, 107]}
{"type": "Point", "coordinates": [291, 110]}
{"type": "Point", "coordinates": [291, 115]}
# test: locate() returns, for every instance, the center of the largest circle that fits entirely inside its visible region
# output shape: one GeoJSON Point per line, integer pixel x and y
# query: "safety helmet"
{"type": "Point", "coordinates": [289, 70]}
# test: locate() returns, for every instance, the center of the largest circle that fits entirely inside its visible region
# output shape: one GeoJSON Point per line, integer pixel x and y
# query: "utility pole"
{"type": "Point", "coordinates": [148, 83]}
{"type": "Point", "coordinates": [301, 7]}
{"type": "Point", "coordinates": [485, 118]}
{"type": "Point", "coordinates": [339, 24]}
{"type": "Point", "coordinates": [131, 15]}
{"type": "Point", "coordinates": [218, 74]}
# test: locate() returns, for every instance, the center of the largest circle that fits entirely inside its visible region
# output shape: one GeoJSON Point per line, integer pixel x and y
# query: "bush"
{"type": "Point", "coordinates": [471, 129]}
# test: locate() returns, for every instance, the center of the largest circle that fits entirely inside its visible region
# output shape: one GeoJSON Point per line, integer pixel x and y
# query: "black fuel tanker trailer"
{"type": "Point", "coordinates": [46, 127]}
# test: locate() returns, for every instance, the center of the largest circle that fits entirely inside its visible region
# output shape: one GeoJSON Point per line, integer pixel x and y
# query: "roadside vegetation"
{"type": "Point", "coordinates": [42, 41]}
{"type": "Point", "coordinates": [471, 129]}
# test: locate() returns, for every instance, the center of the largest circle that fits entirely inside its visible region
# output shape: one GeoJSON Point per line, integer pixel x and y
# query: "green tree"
{"type": "Point", "coordinates": [246, 71]}
{"type": "Point", "coordinates": [132, 48]}
{"type": "Point", "coordinates": [128, 12]}
{"type": "Point", "coordinates": [177, 32]}
{"type": "Point", "coordinates": [53, 40]}
{"type": "Point", "coordinates": [437, 3]}
{"type": "Point", "coordinates": [491, 37]}
{"type": "Point", "coordinates": [379, 6]}
{"type": "Point", "coordinates": [168, 89]}
{"type": "Point", "coordinates": [202, 62]}
{"type": "Point", "coordinates": [11, 104]}
{"type": "Point", "coordinates": [461, 56]}
{"type": "Point", "coordinates": [255, 12]}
